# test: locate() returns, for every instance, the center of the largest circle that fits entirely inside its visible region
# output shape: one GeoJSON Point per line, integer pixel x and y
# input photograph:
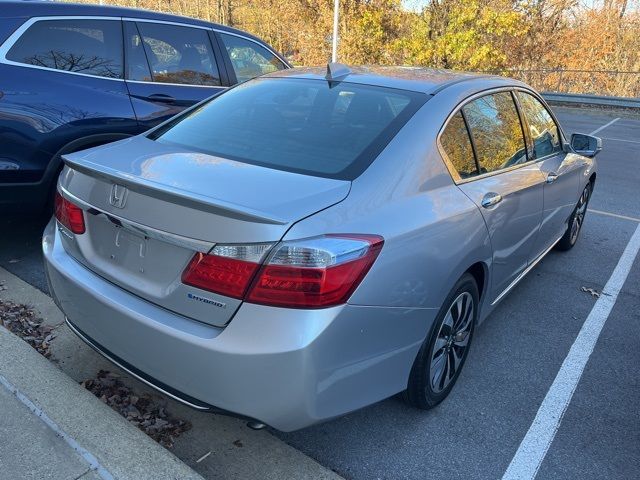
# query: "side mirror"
{"type": "Point", "coordinates": [586, 145]}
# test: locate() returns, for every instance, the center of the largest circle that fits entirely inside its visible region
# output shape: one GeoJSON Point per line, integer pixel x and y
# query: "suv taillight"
{"type": "Point", "coordinates": [69, 214]}
{"type": "Point", "coordinates": [317, 272]}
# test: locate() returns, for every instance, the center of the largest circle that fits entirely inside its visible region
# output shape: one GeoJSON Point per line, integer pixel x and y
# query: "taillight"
{"type": "Point", "coordinates": [69, 214]}
{"type": "Point", "coordinates": [227, 270]}
{"type": "Point", "coordinates": [312, 273]}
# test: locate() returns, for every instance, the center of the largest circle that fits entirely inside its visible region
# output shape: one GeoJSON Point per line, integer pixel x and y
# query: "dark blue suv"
{"type": "Point", "coordinates": [77, 76]}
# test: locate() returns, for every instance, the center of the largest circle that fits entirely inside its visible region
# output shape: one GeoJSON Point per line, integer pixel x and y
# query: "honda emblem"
{"type": "Point", "coordinates": [118, 195]}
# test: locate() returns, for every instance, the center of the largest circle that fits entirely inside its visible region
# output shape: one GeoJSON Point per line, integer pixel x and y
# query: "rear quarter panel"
{"type": "Point", "coordinates": [433, 233]}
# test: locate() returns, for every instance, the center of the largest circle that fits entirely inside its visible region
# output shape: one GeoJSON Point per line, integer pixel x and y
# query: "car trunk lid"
{"type": "Point", "coordinates": [150, 207]}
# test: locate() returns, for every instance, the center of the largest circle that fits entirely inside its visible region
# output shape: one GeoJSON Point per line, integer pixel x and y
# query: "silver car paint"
{"type": "Point", "coordinates": [558, 205]}
{"type": "Point", "coordinates": [291, 368]}
{"type": "Point", "coordinates": [225, 202]}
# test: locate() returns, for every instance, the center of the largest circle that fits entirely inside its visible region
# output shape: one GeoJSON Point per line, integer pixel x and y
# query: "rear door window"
{"type": "Point", "coordinates": [91, 47]}
{"type": "Point", "coordinates": [249, 59]}
{"type": "Point", "coordinates": [174, 54]}
{"type": "Point", "coordinates": [496, 130]}
{"type": "Point", "coordinates": [457, 146]}
{"type": "Point", "coordinates": [297, 125]}
{"type": "Point", "coordinates": [542, 128]}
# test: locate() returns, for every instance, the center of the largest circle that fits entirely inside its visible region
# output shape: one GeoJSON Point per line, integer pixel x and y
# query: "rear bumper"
{"type": "Point", "coordinates": [286, 368]}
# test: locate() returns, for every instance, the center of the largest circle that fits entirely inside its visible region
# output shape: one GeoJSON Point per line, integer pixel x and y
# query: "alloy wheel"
{"type": "Point", "coordinates": [452, 342]}
{"type": "Point", "coordinates": [581, 210]}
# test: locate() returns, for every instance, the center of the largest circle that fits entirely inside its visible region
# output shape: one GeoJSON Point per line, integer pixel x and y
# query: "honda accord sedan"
{"type": "Point", "coordinates": [308, 242]}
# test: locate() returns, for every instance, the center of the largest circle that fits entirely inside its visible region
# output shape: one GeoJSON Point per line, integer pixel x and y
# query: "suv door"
{"type": "Point", "coordinates": [169, 68]}
{"type": "Point", "coordinates": [62, 80]}
{"type": "Point", "coordinates": [561, 172]}
{"type": "Point", "coordinates": [502, 181]}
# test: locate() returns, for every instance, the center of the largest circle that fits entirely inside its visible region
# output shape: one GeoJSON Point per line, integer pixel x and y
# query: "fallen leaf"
{"type": "Point", "coordinates": [147, 414]}
{"type": "Point", "coordinates": [594, 293]}
{"type": "Point", "coordinates": [22, 321]}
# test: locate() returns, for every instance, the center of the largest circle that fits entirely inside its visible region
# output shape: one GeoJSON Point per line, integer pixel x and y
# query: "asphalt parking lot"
{"type": "Point", "coordinates": [513, 362]}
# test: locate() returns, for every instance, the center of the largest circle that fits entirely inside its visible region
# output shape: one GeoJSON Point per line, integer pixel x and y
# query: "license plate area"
{"type": "Point", "coordinates": [125, 255]}
{"type": "Point", "coordinates": [129, 250]}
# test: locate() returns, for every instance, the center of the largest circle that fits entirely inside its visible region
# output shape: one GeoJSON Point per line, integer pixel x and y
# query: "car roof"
{"type": "Point", "coordinates": [418, 79]}
{"type": "Point", "coordinates": [28, 9]}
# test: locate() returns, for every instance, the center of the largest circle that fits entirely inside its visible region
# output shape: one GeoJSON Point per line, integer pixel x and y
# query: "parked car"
{"type": "Point", "coordinates": [300, 247]}
{"type": "Point", "coordinates": [77, 76]}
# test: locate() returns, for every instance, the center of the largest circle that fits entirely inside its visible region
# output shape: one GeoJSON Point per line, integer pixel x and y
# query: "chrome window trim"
{"type": "Point", "coordinates": [15, 36]}
{"type": "Point", "coordinates": [221, 87]}
{"type": "Point", "coordinates": [165, 22]}
{"type": "Point", "coordinates": [457, 179]}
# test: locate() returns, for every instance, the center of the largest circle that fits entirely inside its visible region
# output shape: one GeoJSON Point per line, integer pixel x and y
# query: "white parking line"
{"type": "Point", "coordinates": [621, 140]}
{"type": "Point", "coordinates": [534, 446]}
{"type": "Point", "coordinates": [615, 215]}
{"type": "Point", "coordinates": [94, 463]}
{"type": "Point", "coordinates": [604, 126]}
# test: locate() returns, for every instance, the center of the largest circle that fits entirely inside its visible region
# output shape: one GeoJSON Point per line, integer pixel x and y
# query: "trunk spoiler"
{"type": "Point", "coordinates": [176, 195]}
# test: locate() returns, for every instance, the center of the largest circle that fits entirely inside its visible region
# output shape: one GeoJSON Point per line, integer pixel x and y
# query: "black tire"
{"type": "Point", "coordinates": [425, 389]}
{"type": "Point", "coordinates": [576, 220]}
{"type": "Point", "coordinates": [47, 209]}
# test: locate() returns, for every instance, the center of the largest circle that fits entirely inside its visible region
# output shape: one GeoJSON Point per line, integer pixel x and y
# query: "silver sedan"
{"type": "Point", "coordinates": [306, 244]}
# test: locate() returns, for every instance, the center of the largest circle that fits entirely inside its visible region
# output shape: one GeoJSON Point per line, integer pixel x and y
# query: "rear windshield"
{"type": "Point", "coordinates": [298, 125]}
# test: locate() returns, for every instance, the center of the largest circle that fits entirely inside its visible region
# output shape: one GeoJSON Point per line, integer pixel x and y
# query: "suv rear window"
{"type": "Point", "coordinates": [298, 125]}
{"type": "Point", "coordinates": [92, 47]}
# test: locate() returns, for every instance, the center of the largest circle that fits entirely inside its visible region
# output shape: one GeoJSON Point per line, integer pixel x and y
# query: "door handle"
{"type": "Point", "coordinates": [161, 97]}
{"type": "Point", "coordinates": [552, 177]}
{"type": "Point", "coordinates": [491, 199]}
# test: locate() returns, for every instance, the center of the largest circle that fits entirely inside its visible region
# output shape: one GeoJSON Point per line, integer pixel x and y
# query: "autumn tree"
{"type": "Point", "coordinates": [536, 40]}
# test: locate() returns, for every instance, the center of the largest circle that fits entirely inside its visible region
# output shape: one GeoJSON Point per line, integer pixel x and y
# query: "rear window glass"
{"type": "Point", "coordinates": [304, 126]}
{"type": "Point", "coordinates": [92, 47]}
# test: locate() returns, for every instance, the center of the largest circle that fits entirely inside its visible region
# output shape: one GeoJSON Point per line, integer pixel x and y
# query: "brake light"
{"type": "Point", "coordinates": [69, 214]}
{"type": "Point", "coordinates": [227, 270]}
{"type": "Point", "coordinates": [313, 273]}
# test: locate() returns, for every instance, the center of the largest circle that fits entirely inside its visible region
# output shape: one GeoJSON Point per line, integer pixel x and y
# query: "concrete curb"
{"type": "Point", "coordinates": [119, 447]}
{"type": "Point", "coordinates": [234, 451]}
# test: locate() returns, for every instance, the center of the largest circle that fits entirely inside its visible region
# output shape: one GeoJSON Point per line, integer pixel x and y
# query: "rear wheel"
{"type": "Point", "coordinates": [51, 194]}
{"type": "Point", "coordinates": [576, 220]}
{"type": "Point", "coordinates": [444, 351]}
